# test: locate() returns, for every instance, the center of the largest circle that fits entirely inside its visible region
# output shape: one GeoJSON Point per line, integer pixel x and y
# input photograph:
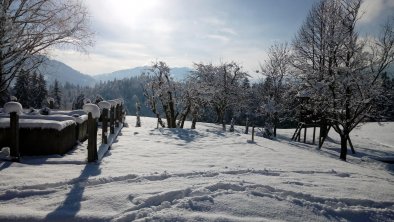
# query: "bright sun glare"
{"type": "Point", "coordinates": [131, 10]}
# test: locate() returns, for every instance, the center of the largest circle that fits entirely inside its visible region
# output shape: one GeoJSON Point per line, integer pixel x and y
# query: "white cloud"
{"type": "Point", "coordinates": [370, 10]}
{"type": "Point", "coordinates": [221, 38]}
{"type": "Point", "coordinates": [133, 33]}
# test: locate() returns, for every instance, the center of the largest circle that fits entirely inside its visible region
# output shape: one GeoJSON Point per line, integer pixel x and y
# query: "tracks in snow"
{"type": "Point", "coordinates": [202, 197]}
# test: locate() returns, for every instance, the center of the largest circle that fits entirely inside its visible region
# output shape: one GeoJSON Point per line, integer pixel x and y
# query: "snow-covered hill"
{"type": "Point", "coordinates": [205, 175]}
{"type": "Point", "coordinates": [53, 69]}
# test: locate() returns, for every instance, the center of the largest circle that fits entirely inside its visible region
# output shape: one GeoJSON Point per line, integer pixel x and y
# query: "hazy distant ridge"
{"type": "Point", "coordinates": [179, 73]}
{"type": "Point", "coordinates": [53, 69]}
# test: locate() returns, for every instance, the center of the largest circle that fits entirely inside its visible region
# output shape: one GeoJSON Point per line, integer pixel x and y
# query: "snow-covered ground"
{"type": "Point", "coordinates": [205, 175]}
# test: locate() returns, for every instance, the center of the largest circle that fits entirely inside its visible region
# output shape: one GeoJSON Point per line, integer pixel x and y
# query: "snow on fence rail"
{"type": "Point", "coordinates": [57, 134]}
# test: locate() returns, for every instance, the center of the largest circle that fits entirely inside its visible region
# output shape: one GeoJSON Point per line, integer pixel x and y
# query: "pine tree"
{"type": "Point", "coordinates": [57, 94]}
{"type": "Point", "coordinates": [22, 90]}
{"type": "Point", "coordinates": [32, 89]}
{"type": "Point", "coordinates": [79, 101]}
{"type": "Point", "coordinates": [40, 90]}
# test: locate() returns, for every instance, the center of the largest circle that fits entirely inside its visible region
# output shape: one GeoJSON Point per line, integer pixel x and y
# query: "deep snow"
{"type": "Point", "coordinates": [206, 175]}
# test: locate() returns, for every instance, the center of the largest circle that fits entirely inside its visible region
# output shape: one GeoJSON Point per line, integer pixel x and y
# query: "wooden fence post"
{"type": "Point", "coordinates": [104, 127]}
{"type": "Point", "coordinates": [14, 128]}
{"type": "Point", "coordinates": [111, 120]}
{"type": "Point", "coordinates": [14, 109]}
{"type": "Point", "coordinates": [105, 106]}
{"type": "Point", "coordinates": [247, 125]}
{"type": "Point", "coordinates": [120, 111]}
{"type": "Point", "coordinates": [117, 116]}
{"type": "Point", "coordinates": [92, 139]}
{"type": "Point", "coordinates": [93, 114]}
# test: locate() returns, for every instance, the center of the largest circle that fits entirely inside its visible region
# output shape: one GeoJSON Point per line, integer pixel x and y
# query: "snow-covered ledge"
{"type": "Point", "coordinates": [92, 108]}
{"type": "Point", "coordinates": [38, 123]}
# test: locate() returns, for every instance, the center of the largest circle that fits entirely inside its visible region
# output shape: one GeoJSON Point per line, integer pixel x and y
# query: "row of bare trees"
{"type": "Point", "coordinates": [209, 85]}
{"type": "Point", "coordinates": [328, 62]}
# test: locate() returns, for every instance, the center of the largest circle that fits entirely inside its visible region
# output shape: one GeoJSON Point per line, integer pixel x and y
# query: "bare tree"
{"type": "Point", "coordinates": [275, 71]}
{"type": "Point", "coordinates": [163, 90]}
{"type": "Point", "coordinates": [29, 28]}
{"type": "Point", "coordinates": [223, 84]}
{"type": "Point", "coordinates": [341, 72]}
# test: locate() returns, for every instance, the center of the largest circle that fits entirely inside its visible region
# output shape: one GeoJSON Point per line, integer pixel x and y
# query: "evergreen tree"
{"type": "Point", "coordinates": [33, 90]}
{"type": "Point", "coordinates": [42, 91]}
{"type": "Point", "coordinates": [79, 101]}
{"type": "Point", "coordinates": [22, 90]}
{"type": "Point", "coordinates": [57, 94]}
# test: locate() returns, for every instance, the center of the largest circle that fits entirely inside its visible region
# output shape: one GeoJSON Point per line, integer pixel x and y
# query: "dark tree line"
{"type": "Point", "coordinates": [31, 90]}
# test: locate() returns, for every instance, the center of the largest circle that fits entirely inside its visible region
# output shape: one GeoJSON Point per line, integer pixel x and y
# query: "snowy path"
{"type": "Point", "coordinates": [204, 175]}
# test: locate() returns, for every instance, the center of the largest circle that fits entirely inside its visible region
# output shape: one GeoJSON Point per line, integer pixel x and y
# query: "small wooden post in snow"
{"type": "Point", "coordinates": [305, 134]}
{"type": "Point", "coordinates": [253, 132]}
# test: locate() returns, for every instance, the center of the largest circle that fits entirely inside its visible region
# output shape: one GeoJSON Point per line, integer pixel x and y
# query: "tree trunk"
{"type": "Point", "coordinates": [194, 121]}
{"type": "Point", "coordinates": [274, 130]}
{"type": "Point", "coordinates": [183, 116]}
{"type": "Point", "coordinates": [160, 121]}
{"type": "Point", "coordinates": [276, 120]}
{"type": "Point", "coordinates": [343, 147]}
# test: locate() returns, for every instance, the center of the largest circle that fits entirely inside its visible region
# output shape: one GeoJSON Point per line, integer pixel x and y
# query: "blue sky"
{"type": "Point", "coordinates": [132, 33]}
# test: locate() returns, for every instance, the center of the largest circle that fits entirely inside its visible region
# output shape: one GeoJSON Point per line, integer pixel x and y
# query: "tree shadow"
{"type": "Point", "coordinates": [72, 204]}
{"type": "Point", "coordinates": [5, 164]}
{"type": "Point", "coordinates": [187, 135]}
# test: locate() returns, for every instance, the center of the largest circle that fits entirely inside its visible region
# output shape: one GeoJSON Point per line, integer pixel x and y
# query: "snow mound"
{"type": "Point", "coordinates": [92, 108]}
{"type": "Point", "coordinates": [12, 107]}
{"type": "Point", "coordinates": [113, 103]}
{"type": "Point", "coordinates": [104, 105]}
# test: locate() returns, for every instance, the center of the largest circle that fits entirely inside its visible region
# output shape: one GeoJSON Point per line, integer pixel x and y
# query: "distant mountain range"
{"type": "Point", "coordinates": [53, 69]}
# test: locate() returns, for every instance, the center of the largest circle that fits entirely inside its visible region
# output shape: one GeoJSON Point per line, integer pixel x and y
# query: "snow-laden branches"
{"type": "Point", "coordinates": [221, 86]}
{"type": "Point", "coordinates": [274, 98]}
{"type": "Point", "coordinates": [29, 28]}
{"type": "Point", "coordinates": [341, 72]}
